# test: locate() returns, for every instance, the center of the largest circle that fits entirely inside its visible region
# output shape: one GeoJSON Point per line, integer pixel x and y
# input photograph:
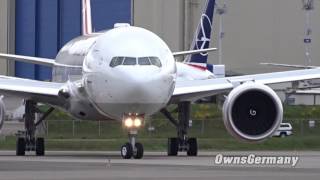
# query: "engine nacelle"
{"type": "Point", "coordinates": [2, 113]}
{"type": "Point", "coordinates": [252, 112]}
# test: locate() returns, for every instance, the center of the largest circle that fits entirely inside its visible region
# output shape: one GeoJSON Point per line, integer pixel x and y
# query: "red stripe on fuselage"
{"type": "Point", "coordinates": [198, 67]}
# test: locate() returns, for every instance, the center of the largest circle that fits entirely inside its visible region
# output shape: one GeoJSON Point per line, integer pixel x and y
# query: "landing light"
{"type": "Point", "coordinates": [128, 122]}
{"type": "Point", "coordinates": [132, 122]}
{"type": "Point", "coordinates": [137, 122]}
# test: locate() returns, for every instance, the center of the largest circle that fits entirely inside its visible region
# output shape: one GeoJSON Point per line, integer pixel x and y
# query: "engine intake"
{"type": "Point", "coordinates": [252, 112]}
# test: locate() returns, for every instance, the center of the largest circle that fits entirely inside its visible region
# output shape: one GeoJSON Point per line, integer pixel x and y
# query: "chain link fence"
{"type": "Point", "coordinates": [154, 128]}
{"type": "Point", "coordinates": [212, 134]}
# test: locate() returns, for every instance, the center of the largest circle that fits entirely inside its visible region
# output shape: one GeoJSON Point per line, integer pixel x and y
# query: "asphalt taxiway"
{"type": "Point", "coordinates": [155, 165]}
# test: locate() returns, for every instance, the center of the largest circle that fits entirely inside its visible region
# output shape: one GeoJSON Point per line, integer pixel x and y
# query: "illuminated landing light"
{"type": "Point", "coordinates": [133, 121]}
{"type": "Point", "coordinates": [128, 122]}
{"type": "Point", "coordinates": [137, 122]}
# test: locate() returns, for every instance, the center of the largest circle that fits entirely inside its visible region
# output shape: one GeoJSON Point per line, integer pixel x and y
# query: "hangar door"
{"type": "Point", "coordinates": [44, 26]}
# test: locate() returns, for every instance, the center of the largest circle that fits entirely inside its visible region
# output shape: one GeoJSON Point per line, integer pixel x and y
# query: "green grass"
{"type": "Point", "coordinates": [160, 144]}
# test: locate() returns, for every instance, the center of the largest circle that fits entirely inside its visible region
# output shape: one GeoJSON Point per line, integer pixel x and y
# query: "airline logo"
{"type": "Point", "coordinates": [203, 34]}
{"type": "Point", "coordinates": [203, 39]}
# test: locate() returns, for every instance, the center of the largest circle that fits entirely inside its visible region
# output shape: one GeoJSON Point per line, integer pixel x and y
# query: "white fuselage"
{"type": "Point", "coordinates": [124, 70]}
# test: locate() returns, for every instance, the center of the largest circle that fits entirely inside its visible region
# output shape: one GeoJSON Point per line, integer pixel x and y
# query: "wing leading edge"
{"type": "Point", "coordinates": [34, 60]}
{"type": "Point", "coordinates": [197, 89]}
{"type": "Point", "coordinates": [46, 92]}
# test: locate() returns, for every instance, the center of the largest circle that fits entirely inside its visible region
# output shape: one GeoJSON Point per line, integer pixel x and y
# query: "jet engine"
{"type": "Point", "coordinates": [2, 113]}
{"type": "Point", "coordinates": [252, 112]}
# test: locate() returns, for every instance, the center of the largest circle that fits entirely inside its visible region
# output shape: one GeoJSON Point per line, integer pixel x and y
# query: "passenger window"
{"type": "Point", "coordinates": [130, 61]}
{"type": "Point", "coordinates": [116, 61]}
{"type": "Point", "coordinates": [155, 61]}
{"type": "Point", "coordinates": [144, 61]}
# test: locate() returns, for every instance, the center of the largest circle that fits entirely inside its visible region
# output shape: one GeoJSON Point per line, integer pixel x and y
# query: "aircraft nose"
{"type": "Point", "coordinates": [140, 76]}
{"type": "Point", "coordinates": [141, 85]}
{"type": "Point", "coordinates": [131, 92]}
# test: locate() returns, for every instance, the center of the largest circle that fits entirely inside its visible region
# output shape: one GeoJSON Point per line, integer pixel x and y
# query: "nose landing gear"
{"type": "Point", "coordinates": [132, 148]}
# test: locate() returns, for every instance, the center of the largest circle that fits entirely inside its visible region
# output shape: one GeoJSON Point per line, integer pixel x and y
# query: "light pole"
{"type": "Point", "coordinates": [308, 6]}
{"type": "Point", "coordinates": [221, 11]}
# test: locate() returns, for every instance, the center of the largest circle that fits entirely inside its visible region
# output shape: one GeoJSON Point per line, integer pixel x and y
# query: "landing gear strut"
{"type": "Point", "coordinates": [132, 148]}
{"type": "Point", "coordinates": [26, 140]}
{"type": "Point", "coordinates": [182, 142]}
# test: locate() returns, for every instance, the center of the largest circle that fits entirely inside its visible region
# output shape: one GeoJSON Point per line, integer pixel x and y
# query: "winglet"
{"type": "Point", "coordinates": [86, 17]}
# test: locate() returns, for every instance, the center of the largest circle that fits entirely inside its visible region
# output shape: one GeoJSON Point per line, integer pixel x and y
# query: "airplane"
{"type": "Point", "coordinates": [129, 73]}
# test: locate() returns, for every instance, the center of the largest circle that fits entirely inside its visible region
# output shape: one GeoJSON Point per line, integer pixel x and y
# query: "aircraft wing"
{"type": "Point", "coordinates": [34, 60]}
{"type": "Point", "coordinates": [189, 90]}
{"type": "Point", "coordinates": [289, 65]}
{"type": "Point", "coordinates": [183, 53]}
{"type": "Point", "coordinates": [40, 91]}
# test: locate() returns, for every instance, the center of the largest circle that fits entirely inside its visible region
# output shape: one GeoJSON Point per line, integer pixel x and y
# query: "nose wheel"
{"type": "Point", "coordinates": [126, 151]}
{"type": "Point", "coordinates": [132, 149]}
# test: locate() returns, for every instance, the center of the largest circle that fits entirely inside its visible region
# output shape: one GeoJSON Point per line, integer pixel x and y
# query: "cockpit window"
{"type": "Point", "coordinates": [155, 61]}
{"type": "Point", "coordinates": [130, 61]}
{"type": "Point", "coordinates": [144, 61]}
{"type": "Point", "coordinates": [116, 61]}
